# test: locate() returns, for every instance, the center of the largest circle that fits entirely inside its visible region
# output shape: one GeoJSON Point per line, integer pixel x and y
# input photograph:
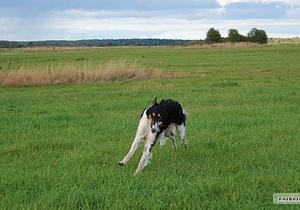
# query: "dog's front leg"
{"type": "Point", "coordinates": [133, 148]}
{"type": "Point", "coordinates": [142, 130]}
{"type": "Point", "coordinates": [145, 159]}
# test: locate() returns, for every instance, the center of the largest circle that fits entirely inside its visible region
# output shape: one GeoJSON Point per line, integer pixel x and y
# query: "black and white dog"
{"type": "Point", "coordinates": [157, 122]}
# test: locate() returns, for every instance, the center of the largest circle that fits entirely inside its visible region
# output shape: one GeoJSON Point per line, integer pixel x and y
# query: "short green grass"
{"type": "Point", "coordinates": [60, 145]}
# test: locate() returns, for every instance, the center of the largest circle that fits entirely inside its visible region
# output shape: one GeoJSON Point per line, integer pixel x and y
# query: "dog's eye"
{"type": "Point", "coordinates": [153, 114]}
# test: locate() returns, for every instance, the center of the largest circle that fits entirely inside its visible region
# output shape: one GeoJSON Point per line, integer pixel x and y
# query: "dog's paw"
{"type": "Point", "coordinates": [121, 163]}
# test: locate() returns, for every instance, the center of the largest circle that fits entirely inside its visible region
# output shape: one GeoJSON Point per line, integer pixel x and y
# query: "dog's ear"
{"type": "Point", "coordinates": [155, 101]}
{"type": "Point", "coordinates": [148, 112]}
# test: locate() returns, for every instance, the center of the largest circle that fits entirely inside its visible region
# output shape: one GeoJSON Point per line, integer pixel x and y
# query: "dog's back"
{"type": "Point", "coordinates": [172, 112]}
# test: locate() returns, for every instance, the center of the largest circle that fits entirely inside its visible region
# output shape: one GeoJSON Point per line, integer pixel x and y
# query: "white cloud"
{"type": "Point", "coordinates": [286, 2]}
{"type": "Point", "coordinates": [293, 13]}
{"type": "Point", "coordinates": [105, 24]}
{"type": "Point", "coordinates": [183, 13]}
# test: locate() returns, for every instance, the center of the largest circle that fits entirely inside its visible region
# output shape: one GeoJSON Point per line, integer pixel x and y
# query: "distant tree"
{"type": "Point", "coordinates": [233, 35]}
{"type": "Point", "coordinates": [259, 36]}
{"type": "Point", "coordinates": [213, 35]}
{"type": "Point", "coordinates": [30, 44]}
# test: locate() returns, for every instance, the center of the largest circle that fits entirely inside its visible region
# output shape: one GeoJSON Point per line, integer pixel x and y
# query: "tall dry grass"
{"type": "Point", "coordinates": [75, 74]}
{"type": "Point", "coordinates": [294, 40]}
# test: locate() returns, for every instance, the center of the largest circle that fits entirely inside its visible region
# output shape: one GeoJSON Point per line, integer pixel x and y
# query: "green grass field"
{"type": "Point", "coordinates": [60, 145]}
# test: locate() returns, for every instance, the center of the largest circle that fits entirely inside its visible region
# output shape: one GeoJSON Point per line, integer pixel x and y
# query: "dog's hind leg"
{"type": "Point", "coordinates": [182, 134]}
{"type": "Point", "coordinates": [171, 133]}
{"type": "Point", "coordinates": [173, 138]}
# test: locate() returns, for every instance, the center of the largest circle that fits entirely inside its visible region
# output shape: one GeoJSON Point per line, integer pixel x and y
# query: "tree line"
{"type": "Point", "coordinates": [93, 43]}
{"type": "Point", "coordinates": [212, 36]}
{"type": "Point", "coordinates": [255, 35]}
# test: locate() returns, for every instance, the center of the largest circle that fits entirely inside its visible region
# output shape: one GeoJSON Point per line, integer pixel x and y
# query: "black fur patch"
{"type": "Point", "coordinates": [153, 144]}
{"type": "Point", "coordinates": [166, 111]}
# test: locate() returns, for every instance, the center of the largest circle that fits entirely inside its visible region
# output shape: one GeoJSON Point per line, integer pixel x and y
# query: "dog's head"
{"type": "Point", "coordinates": [154, 113]}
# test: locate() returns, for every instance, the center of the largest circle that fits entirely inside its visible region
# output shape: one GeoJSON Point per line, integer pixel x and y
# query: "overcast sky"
{"type": "Point", "coordinates": [176, 19]}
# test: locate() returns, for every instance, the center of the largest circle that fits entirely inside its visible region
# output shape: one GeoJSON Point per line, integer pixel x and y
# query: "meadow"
{"type": "Point", "coordinates": [60, 143]}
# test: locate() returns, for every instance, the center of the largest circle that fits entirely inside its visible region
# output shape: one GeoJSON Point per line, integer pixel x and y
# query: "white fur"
{"type": "Point", "coordinates": [142, 132]}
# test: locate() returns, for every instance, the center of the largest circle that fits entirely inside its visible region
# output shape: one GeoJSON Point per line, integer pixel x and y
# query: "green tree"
{"type": "Point", "coordinates": [213, 35]}
{"type": "Point", "coordinates": [233, 35]}
{"type": "Point", "coordinates": [259, 36]}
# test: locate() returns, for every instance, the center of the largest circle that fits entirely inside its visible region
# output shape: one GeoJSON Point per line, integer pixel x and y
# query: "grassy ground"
{"type": "Point", "coordinates": [60, 145]}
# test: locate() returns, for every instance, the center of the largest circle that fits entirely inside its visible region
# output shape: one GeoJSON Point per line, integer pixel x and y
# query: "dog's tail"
{"type": "Point", "coordinates": [186, 114]}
